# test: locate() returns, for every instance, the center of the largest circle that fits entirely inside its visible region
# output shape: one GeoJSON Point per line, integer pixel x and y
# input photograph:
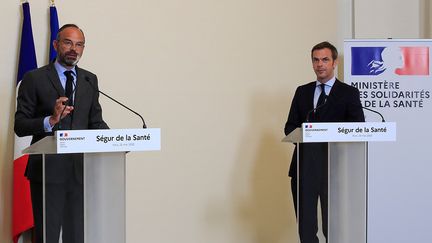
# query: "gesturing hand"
{"type": "Point", "coordinates": [58, 108]}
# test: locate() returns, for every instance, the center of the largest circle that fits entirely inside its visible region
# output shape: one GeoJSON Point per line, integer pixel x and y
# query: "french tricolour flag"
{"type": "Point", "coordinates": [22, 213]}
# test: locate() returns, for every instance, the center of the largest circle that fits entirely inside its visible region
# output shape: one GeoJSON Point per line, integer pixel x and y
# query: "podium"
{"type": "Point", "coordinates": [104, 174]}
{"type": "Point", "coordinates": [347, 172]}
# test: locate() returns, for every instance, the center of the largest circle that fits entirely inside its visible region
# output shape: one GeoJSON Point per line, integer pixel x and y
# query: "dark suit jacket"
{"type": "Point", "coordinates": [37, 94]}
{"type": "Point", "coordinates": [343, 105]}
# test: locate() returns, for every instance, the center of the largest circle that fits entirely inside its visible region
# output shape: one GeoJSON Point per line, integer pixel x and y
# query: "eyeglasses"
{"type": "Point", "coordinates": [69, 44]}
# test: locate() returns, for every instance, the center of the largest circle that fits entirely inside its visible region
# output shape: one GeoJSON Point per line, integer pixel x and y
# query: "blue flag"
{"type": "Point", "coordinates": [54, 26]}
{"type": "Point", "coordinates": [22, 213]}
{"type": "Point", "coordinates": [27, 56]}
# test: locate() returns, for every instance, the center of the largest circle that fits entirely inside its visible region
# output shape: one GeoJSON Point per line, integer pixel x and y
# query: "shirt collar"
{"type": "Point", "coordinates": [329, 83]}
{"type": "Point", "coordinates": [60, 69]}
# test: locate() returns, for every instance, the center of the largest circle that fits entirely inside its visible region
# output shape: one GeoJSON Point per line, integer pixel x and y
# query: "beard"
{"type": "Point", "coordinates": [69, 59]}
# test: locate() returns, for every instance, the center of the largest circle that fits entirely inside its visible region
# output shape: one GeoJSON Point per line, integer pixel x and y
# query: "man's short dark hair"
{"type": "Point", "coordinates": [68, 26]}
{"type": "Point", "coordinates": [327, 45]}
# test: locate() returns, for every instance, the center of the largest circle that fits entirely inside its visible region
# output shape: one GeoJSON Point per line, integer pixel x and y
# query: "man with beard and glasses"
{"type": "Point", "coordinates": [326, 99]}
{"type": "Point", "coordinates": [59, 96]}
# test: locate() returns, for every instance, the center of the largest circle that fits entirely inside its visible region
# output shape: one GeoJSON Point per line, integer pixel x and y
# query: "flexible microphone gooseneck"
{"type": "Point", "coordinates": [66, 104]}
{"type": "Point", "coordinates": [118, 102]}
{"type": "Point", "coordinates": [374, 111]}
{"type": "Point", "coordinates": [371, 110]}
{"type": "Point", "coordinates": [316, 108]}
{"type": "Point", "coordinates": [327, 100]}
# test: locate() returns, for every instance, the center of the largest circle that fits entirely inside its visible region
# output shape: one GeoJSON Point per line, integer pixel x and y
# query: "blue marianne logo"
{"type": "Point", "coordinates": [367, 61]}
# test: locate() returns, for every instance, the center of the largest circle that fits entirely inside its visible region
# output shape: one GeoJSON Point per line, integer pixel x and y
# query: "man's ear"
{"type": "Point", "coordinates": [55, 44]}
{"type": "Point", "coordinates": [335, 63]}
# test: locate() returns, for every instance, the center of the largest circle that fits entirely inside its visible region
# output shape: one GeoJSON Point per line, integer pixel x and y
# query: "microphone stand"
{"type": "Point", "coordinates": [118, 102]}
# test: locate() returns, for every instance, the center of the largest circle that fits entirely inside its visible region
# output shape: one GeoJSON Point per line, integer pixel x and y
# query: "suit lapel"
{"type": "Point", "coordinates": [55, 80]}
{"type": "Point", "coordinates": [82, 94]}
{"type": "Point", "coordinates": [327, 111]}
{"type": "Point", "coordinates": [78, 88]}
{"type": "Point", "coordinates": [335, 90]}
{"type": "Point", "coordinates": [310, 96]}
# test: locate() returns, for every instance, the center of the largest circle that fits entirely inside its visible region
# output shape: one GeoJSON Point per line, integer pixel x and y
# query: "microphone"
{"type": "Point", "coordinates": [374, 111]}
{"type": "Point", "coordinates": [66, 104]}
{"type": "Point", "coordinates": [118, 102]}
{"type": "Point", "coordinates": [360, 105]}
{"type": "Point", "coordinates": [316, 108]}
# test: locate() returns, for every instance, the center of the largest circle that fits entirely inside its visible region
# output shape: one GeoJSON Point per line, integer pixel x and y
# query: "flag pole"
{"type": "Point", "coordinates": [22, 213]}
{"type": "Point", "coordinates": [54, 27]}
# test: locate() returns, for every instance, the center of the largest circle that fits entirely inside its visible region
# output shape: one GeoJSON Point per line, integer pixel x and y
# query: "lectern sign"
{"type": "Point", "coordinates": [108, 140]}
{"type": "Point", "coordinates": [349, 131]}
